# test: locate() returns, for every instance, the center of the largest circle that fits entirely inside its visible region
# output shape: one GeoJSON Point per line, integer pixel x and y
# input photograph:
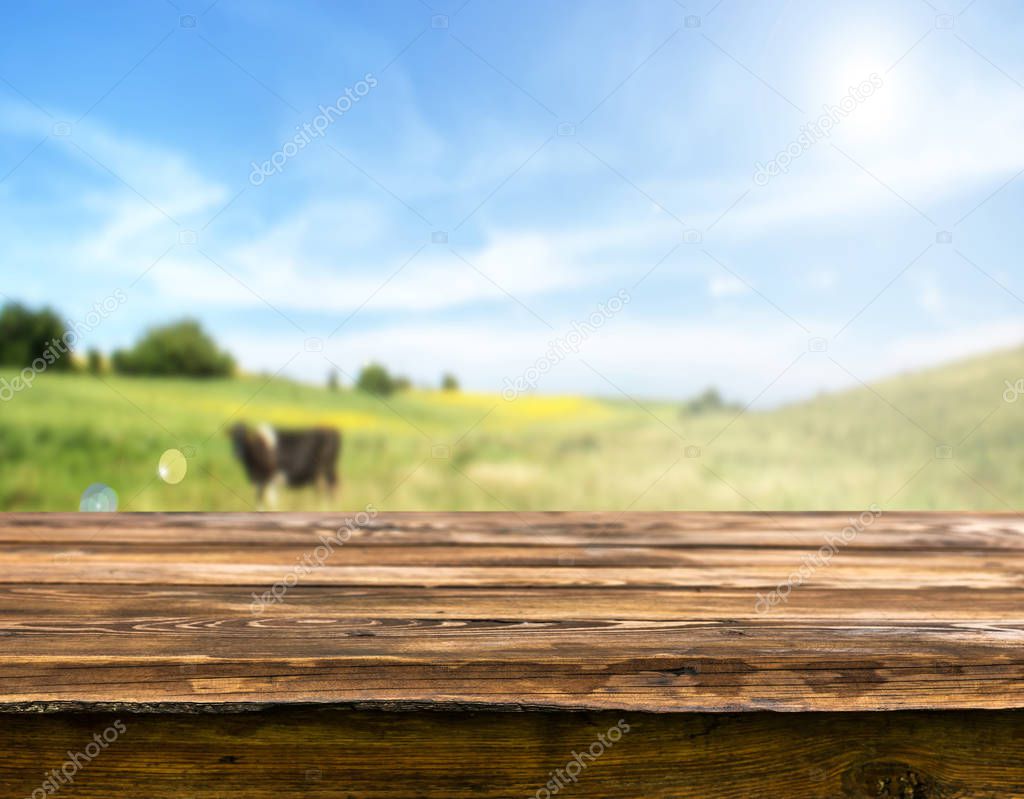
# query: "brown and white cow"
{"type": "Point", "coordinates": [295, 458]}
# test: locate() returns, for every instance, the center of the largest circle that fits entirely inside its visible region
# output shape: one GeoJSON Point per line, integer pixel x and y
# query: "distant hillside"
{"type": "Point", "coordinates": [887, 445]}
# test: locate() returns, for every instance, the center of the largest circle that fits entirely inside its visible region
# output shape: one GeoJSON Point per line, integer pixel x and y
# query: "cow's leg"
{"type": "Point", "coordinates": [272, 494]}
{"type": "Point", "coordinates": [331, 478]}
{"type": "Point", "coordinates": [324, 491]}
{"type": "Point", "coordinates": [331, 456]}
{"type": "Point", "coordinates": [331, 482]}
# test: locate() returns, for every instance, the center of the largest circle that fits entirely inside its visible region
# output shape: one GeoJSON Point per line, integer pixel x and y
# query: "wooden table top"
{"type": "Point", "coordinates": [661, 612]}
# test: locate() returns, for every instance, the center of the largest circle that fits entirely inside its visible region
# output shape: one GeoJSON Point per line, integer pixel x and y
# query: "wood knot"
{"type": "Point", "coordinates": [891, 781]}
{"type": "Point", "coordinates": [687, 670]}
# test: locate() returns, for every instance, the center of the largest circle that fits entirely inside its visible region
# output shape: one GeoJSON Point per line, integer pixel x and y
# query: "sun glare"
{"type": "Point", "coordinates": [859, 96]}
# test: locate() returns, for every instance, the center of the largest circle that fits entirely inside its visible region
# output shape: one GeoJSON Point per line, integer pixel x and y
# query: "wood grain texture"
{"type": "Point", "coordinates": [657, 612]}
{"type": "Point", "coordinates": [331, 754]}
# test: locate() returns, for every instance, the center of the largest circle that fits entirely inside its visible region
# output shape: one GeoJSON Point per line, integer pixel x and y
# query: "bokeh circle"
{"type": "Point", "coordinates": [98, 498]}
{"type": "Point", "coordinates": [173, 467]}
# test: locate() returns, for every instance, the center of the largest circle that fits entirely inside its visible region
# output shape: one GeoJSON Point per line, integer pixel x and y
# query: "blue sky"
{"type": "Point", "coordinates": [567, 150]}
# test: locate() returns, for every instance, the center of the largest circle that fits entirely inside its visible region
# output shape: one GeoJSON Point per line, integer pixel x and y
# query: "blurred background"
{"type": "Point", "coordinates": [524, 255]}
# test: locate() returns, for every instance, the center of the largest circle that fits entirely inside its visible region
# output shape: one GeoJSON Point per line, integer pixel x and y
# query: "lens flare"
{"type": "Point", "coordinates": [98, 498]}
{"type": "Point", "coordinates": [173, 467]}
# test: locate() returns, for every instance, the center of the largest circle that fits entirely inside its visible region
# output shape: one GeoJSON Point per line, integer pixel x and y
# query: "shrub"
{"type": "Point", "coordinates": [181, 348]}
{"type": "Point", "coordinates": [449, 382]}
{"type": "Point", "coordinates": [375, 379]}
{"type": "Point", "coordinates": [25, 335]}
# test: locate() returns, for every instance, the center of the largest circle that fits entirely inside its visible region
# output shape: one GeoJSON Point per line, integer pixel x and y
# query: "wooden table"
{"type": "Point", "coordinates": [512, 655]}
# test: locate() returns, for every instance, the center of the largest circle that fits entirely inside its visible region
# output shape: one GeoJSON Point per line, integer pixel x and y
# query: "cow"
{"type": "Point", "coordinates": [295, 458]}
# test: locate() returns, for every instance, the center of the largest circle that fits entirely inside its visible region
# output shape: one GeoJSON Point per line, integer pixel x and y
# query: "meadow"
{"type": "Point", "coordinates": [940, 439]}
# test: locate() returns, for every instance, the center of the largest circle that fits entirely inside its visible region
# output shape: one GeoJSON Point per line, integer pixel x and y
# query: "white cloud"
{"type": "Point", "coordinates": [126, 199]}
{"type": "Point", "coordinates": [824, 279]}
{"type": "Point", "coordinates": [918, 350]}
{"type": "Point", "coordinates": [931, 149]}
{"type": "Point", "coordinates": [931, 298]}
{"type": "Point", "coordinates": [667, 358]}
{"type": "Point", "coordinates": [305, 264]}
{"type": "Point", "coordinates": [524, 266]}
{"type": "Point", "coordinates": [726, 286]}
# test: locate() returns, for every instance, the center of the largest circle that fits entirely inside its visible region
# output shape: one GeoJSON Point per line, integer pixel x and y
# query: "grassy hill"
{"type": "Point", "coordinates": [431, 450]}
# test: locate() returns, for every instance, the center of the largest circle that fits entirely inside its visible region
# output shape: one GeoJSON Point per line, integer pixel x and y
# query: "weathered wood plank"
{"type": "Point", "coordinates": [691, 670]}
{"type": "Point", "coordinates": [894, 530]}
{"type": "Point", "coordinates": [478, 610]}
{"type": "Point", "coordinates": [525, 567]}
{"type": "Point", "coordinates": [812, 605]}
{"type": "Point", "coordinates": [393, 755]}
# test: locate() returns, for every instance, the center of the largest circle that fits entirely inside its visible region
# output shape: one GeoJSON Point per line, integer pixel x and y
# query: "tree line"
{"type": "Point", "coordinates": [178, 349]}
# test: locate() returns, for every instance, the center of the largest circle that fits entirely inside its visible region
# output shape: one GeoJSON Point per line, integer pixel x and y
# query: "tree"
{"type": "Point", "coordinates": [449, 382]}
{"type": "Point", "coordinates": [333, 381]}
{"type": "Point", "coordinates": [375, 379]}
{"type": "Point", "coordinates": [182, 348]}
{"type": "Point", "coordinates": [26, 334]}
{"type": "Point", "coordinates": [708, 401]}
{"type": "Point", "coordinates": [94, 362]}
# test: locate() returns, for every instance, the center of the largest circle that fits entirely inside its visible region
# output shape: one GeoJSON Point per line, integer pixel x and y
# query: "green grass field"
{"type": "Point", "coordinates": [428, 450]}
